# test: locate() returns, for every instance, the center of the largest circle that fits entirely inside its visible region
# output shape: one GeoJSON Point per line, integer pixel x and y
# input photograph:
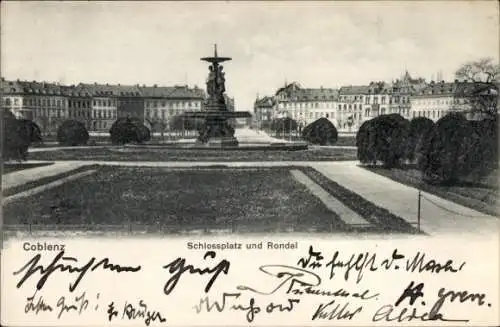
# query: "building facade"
{"type": "Point", "coordinates": [13, 99]}
{"type": "Point", "coordinates": [161, 104]}
{"type": "Point", "coordinates": [264, 111]}
{"type": "Point", "coordinates": [305, 105]}
{"type": "Point", "coordinates": [104, 106]}
{"type": "Point", "coordinates": [47, 104]}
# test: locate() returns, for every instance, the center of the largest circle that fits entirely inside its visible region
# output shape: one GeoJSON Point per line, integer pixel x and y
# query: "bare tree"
{"type": "Point", "coordinates": [479, 81]}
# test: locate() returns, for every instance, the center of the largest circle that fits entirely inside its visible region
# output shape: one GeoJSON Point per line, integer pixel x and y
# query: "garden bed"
{"type": "Point", "coordinates": [241, 200]}
{"type": "Point", "coordinates": [380, 218]}
{"type": "Point", "coordinates": [145, 154]}
{"type": "Point", "coordinates": [44, 180]}
{"type": "Point", "coordinates": [478, 194]}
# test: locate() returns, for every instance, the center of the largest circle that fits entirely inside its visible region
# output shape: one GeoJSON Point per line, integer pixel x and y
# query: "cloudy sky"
{"type": "Point", "coordinates": [315, 43]}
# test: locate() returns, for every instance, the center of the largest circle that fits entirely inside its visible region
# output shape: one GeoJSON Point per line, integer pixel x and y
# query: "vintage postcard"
{"type": "Point", "coordinates": [280, 163]}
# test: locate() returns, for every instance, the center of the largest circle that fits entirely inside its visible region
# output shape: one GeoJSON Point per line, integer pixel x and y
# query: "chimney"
{"type": "Point", "coordinates": [155, 85]}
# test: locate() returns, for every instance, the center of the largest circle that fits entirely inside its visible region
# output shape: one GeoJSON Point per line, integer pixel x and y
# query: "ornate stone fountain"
{"type": "Point", "coordinates": [217, 131]}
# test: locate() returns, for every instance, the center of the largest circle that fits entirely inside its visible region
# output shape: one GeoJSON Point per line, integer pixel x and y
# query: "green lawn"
{"type": "Point", "coordinates": [172, 200]}
{"type": "Point", "coordinates": [480, 194]}
{"type": "Point", "coordinates": [137, 154]}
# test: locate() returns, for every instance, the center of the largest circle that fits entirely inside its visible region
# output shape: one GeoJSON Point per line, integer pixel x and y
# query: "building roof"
{"type": "Point", "coordinates": [295, 92]}
{"type": "Point", "coordinates": [354, 89]}
{"type": "Point", "coordinates": [42, 88]}
{"type": "Point", "coordinates": [438, 89]}
{"type": "Point", "coordinates": [184, 92]}
{"type": "Point", "coordinates": [10, 87]}
{"type": "Point", "coordinates": [265, 102]}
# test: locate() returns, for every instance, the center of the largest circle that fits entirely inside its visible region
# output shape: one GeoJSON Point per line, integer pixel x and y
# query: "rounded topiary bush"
{"type": "Point", "coordinates": [321, 132]}
{"type": "Point", "coordinates": [418, 138]}
{"type": "Point", "coordinates": [33, 130]}
{"type": "Point", "coordinates": [16, 139]}
{"type": "Point", "coordinates": [382, 139]}
{"type": "Point", "coordinates": [447, 156]}
{"type": "Point", "coordinates": [129, 130]}
{"type": "Point", "coordinates": [142, 134]}
{"type": "Point", "coordinates": [364, 153]}
{"type": "Point", "coordinates": [71, 133]}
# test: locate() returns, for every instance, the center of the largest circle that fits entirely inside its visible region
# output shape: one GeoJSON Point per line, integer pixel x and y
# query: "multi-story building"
{"type": "Point", "coordinates": [306, 104]}
{"type": "Point", "coordinates": [161, 104]}
{"type": "Point", "coordinates": [47, 103]}
{"type": "Point", "coordinates": [79, 104]}
{"type": "Point", "coordinates": [435, 100]}
{"type": "Point", "coordinates": [104, 105]}
{"type": "Point", "coordinates": [130, 102]}
{"type": "Point", "coordinates": [401, 92]}
{"type": "Point", "coordinates": [264, 111]}
{"type": "Point", "coordinates": [13, 99]}
{"type": "Point", "coordinates": [350, 113]}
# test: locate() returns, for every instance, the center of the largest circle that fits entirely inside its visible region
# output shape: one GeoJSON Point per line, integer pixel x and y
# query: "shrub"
{"type": "Point", "coordinates": [482, 152]}
{"type": "Point", "coordinates": [284, 125]}
{"type": "Point", "coordinates": [71, 133]}
{"type": "Point", "coordinates": [33, 130]}
{"type": "Point", "coordinates": [142, 134]}
{"type": "Point", "coordinates": [364, 153]}
{"type": "Point", "coordinates": [16, 138]}
{"type": "Point", "coordinates": [383, 139]}
{"type": "Point", "coordinates": [321, 132]}
{"type": "Point", "coordinates": [447, 158]}
{"type": "Point", "coordinates": [418, 137]}
{"type": "Point", "coordinates": [127, 130]}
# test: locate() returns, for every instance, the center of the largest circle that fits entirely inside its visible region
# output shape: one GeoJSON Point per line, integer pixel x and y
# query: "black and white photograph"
{"type": "Point", "coordinates": [345, 120]}
{"type": "Point", "coordinates": [348, 125]}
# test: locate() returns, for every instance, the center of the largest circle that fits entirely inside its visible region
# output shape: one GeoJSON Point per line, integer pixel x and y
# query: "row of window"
{"type": "Point", "coordinates": [104, 103]}
{"type": "Point", "coordinates": [431, 114]}
{"type": "Point", "coordinates": [440, 101]}
{"type": "Point", "coordinates": [99, 125]}
{"type": "Point", "coordinates": [101, 113]}
{"type": "Point", "coordinates": [175, 104]}
{"type": "Point", "coordinates": [157, 113]}
{"type": "Point", "coordinates": [316, 105]}
{"type": "Point", "coordinates": [85, 104]}
{"type": "Point", "coordinates": [35, 102]}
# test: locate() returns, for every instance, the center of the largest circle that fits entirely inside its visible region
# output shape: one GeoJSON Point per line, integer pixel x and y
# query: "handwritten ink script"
{"type": "Point", "coordinates": [317, 286]}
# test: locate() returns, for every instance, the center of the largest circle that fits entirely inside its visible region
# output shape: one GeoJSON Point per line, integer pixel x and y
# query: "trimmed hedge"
{"type": "Point", "coordinates": [72, 133]}
{"type": "Point", "coordinates": [321, 132]}
{"type": "Point", "coordinates": [129, 130]}
{"type": "Point", "coordinates": [418, 138]}
{"type": "Point", "coordinates": [16, 138]}
{"type": "Point", "coordinates": [284, 125]}
{"type": "Point", "coordinates": [383, 139]}
{"type": "Point", "coordinates": [447, 156]}
{"type": "Point", "coordinates": [34, 131]}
